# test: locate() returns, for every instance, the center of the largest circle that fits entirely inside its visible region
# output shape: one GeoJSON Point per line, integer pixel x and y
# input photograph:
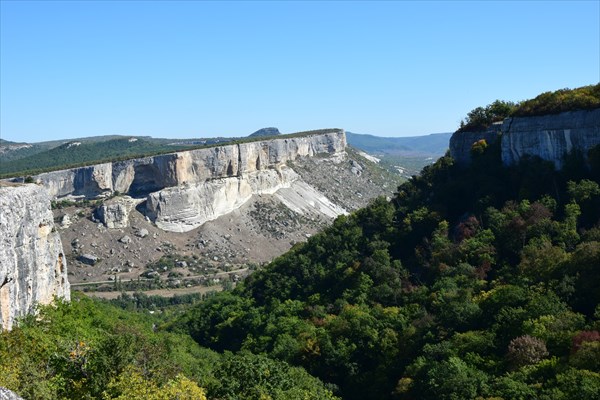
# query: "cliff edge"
{"type": "Point", "coordinates": [549, 137]}
{"type": "Point", "coordinates": [33, 268]}
{"type": "Point", "coordinates": [141, 176]}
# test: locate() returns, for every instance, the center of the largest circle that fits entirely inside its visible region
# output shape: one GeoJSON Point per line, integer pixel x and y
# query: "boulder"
{"type": "Point", "coordinates": [88, 259]}
{"type": "Point", "coordinates": [125, 239]}
{"type": "Point", "coordinates": [142, 233]}
{"type": "Point", "coordinates": [114, 213]}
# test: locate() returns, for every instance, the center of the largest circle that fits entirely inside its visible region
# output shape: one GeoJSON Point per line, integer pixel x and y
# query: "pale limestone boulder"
{"type": "Point", "coordinates": [114, 213]}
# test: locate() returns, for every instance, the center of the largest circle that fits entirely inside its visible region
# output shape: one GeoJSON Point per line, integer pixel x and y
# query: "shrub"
{"type": "Point", "coordinates": [525, 350]}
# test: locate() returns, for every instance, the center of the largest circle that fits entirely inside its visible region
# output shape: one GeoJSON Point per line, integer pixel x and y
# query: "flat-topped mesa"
{"type": "Point", "coordinates": [139, 177]}
{"type": "Point", "coordinates": [33, 268]}
{"type": "Point", "coordinates": [550, 137]}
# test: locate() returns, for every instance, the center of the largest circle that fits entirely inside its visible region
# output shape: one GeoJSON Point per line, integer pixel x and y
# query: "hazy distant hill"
{"type": "Point", "coordinates": [435, 144]}
{"type": "Point", "coordinates": [271, 131]}
{"type": "Point", "coordinates": [11, 151]}
{"type": "Point", "coordinates": [406, 155]}
{"type": "Point", "coordinates": [36, 157]}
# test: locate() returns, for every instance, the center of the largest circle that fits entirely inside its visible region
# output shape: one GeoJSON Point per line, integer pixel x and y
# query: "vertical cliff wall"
{"type": "Point", "coordinates": [139, 177]}
{"type": "Point", "coordinates": [549, 137]}
{"type": "Point", "coordinates": [461, 143]}
{"type": "Point", "coordinates": [33, 268]}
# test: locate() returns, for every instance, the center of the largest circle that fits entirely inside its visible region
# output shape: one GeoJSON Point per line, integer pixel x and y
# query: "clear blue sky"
{"type": "Point", "coordinates": [190, 69]}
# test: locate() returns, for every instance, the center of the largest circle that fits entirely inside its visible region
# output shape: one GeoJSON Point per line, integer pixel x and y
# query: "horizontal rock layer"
{"type": "Point", "coordinates": [549, 137]}
{"type": "Point", "coordinates": [138, 177]}
{"type": "Point", "coordinates": [33, 268]}
{"type": "Point", "coordinates": [183, 208]}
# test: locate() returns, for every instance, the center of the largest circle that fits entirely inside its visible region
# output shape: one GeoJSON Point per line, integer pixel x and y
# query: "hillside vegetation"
{"type": "Point", "coordinates": [583, 98]}
{"type": "Point", "coordinates": [478, 282]}
{"type": "Point", "coordinates": [92, 350]}
{"type": "Point", "coordinates": [473, 283]}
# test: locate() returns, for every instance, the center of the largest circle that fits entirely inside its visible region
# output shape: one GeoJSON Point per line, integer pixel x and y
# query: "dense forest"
{"type": "Point", "coordinates": [473, 282]}
{"type": "Point", "coordinates": [87, 349]}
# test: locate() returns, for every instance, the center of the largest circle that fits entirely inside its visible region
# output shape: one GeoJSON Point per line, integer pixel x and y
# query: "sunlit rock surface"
{"type": "Point", "coordinates": [33, 268]}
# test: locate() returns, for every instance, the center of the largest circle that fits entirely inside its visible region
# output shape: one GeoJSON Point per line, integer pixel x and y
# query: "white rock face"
{"type": "Point", "coordinates": [188, 188]}
{"type": "Point", "coordinates": [89, 182]}
{"type": "Point", "coordinates": [33, 268]}
{"type": "Point", "coordinates": [183, 208]}
{"type": "Point", "coordinates": [549, 137]}
{"type": "Point", "coordinates": [114, 213]}
{"type": "Point", "coordinates": [6, 394]}
{"type": "Point", "coordinates": [303, 199]}
{"type": "Point", "coordinates": [139, 177]}
{"type": "Point", "coordinates": [461, 143]}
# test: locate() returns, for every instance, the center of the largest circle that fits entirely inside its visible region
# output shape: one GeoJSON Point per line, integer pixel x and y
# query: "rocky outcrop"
{"type": "Point", "coordinates": [461, 143]}
{"type": "Point", "coordinates": [84, 182]}
{"type": "Point", "coordinates": [139, 177]}
{"type": "Point", "coordinates": [6, 394]}
{"type": "Point", "coordinates": [183, 208]}
{"type": "Point", "coordinates": [33, 268]}
{"type": "Point", "coordinates": [114, 213]}
{"type": "Point", "coordinates": [549, 137]}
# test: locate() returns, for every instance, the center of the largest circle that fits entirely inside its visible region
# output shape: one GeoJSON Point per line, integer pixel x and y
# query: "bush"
{"type": "Point", "coordinates": [526, 350]}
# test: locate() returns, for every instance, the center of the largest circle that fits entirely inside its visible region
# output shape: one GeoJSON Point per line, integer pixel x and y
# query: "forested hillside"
{"type": "Point", "coordinates": [477, 282]}
{"type": "Point", "coordinates": [78, 153]}
{"type": "Point", "coordinates": [92, 350]}
{"type": "Point", "coordinates": [473, 282]}
{"type": "Point", "coordinates": [480, 282]}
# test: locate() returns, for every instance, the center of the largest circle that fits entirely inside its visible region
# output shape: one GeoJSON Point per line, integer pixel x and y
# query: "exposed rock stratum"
{"type": "Point", "coordinates": [33, 268]}
{"type": "Point", "coordinates": [549, 137]}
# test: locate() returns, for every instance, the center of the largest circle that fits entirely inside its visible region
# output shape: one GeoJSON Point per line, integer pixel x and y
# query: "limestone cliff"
{"type": "Point", "coordinates": [461, 143]}
{"type": "Point", "coordinates": [32, 266]}
{"type": "Point", "coordinates": [183, 208]}
{"type": "Point", "coordinates": [549, 137]}
{"type": "Point", "coordinates": [139, 177]}
{"type": "Point", "coordinates": [188, 188]}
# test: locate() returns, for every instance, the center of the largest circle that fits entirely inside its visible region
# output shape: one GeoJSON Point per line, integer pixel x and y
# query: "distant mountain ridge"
{"type": "Point", "coordinates": [270, 131]}
{"type": "Point", "coordinates": [404, 155]}
{"type": "Point", "coordinates": [434, 144]}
